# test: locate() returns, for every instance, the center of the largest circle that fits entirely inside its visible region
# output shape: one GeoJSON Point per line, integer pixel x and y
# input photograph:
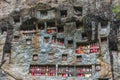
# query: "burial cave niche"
{"type": "Point", "coordinates": [79, 24]}
{"type": "Point", "coordinates": [28, 25]}
{"type": "Point", "coordinates": [43, 13]}
{"type": "Point", "coordinates": [103, 39]}
{"type": "Point", "coordinates": [29, 41]}
{"type": "Point", "coordinates": [79, 58]}
{"type": "Point", "coordinates": [70, 43]}
{"type": "Point", "coordinates": [60, 29]}
{"type": "Point", "coordinates": [84, 70]}
{"type": "Point", "coordinates": [64, 57]}
{"type": "Point", "coordinates": [98, 67]}
{"type": "Point", "coordinates": [46, 39]}
{"type": "Point", "coordinates": [16, 38]}
{"type": "Point", "coordinates": [60, 41]}
{"type": "Point", "coordinates": [104, 24]}
{"type": "Point", "coordinates": [54, 39]}
{"type": "Point", "coordinates": [63, 13]}
{"type": "Point", "coordinates": [78, 10]}
{"type": "Point", "coordinates": [3, 29]}
{"type": "Point", "coordinates": [51, 27]}
{"type": "Point", "coordinates": [84, 36]}
{"type": "Point", "coordinates": [51, 24]}
{"type": "Point", "coordinates": [35, 57]}
{"type": "Point", "coordinates": [43, 70]}
{"type": "Point", "coordinates": [41, 26]}
{"type": "Point", "coordinates": [66, 70]}
{"type": "Point", "coordinates": [81, 48]}
{"type": "Point", "coordinates": [16, 18]}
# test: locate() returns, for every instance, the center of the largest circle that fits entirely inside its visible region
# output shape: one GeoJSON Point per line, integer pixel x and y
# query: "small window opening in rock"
{"type": "Point", "coordinates": [79, 24]}
{"type": "Point", "coordinates": [43, 13]}
{"type": "Point", "coordinates": [27, 27]}
{"type": "Point", "coordinates": [81, 44]}
{"type": "Point", "coordinates": [41, 26]}
{"type": "Point", "coordinates": [54, 39]}
{"type": "Point", "coordinates": [104, 24]}
{"type": "Point", "coordinates": [3, 29]}
{"type": "Point", "coordinates": [16, 19]}
{"type": "Point", "coordinates": [60, 41]}
{"type": "Point", "coordinates": [70, 43]}
{"type": "Point", "coordinates": [103, 39]}
{"type": "Point", "coordinates": [51, 28]}
{"type": "Point", "coordinates": [51, 24]}
{"type": "Point", "coordinates": [46, 39]}
{"type": "Point", "coordinates": [60, 29]}
{"type": "Point", "coordinates": [78, 11]}
{"type": "Point", "coordinates": [35, 57]}
{"type": "Point", "coordinates": [79, 58]}
{"type": "Point", "coordinates": [63, 13]}
{"type": "Point", "coordinates": [28, 41]}
{"type": "Point", "coordinates": [97, 67]}
{"type": "Point", "coordinates": [64, 57]}
{"type": "Point", "coordinates": [84, 36]}
{"type": "Point", "coordinates": [16, 38]}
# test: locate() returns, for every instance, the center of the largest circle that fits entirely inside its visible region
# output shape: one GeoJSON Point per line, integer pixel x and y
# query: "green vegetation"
{"type": "Point", "coordinates": [116, 9]}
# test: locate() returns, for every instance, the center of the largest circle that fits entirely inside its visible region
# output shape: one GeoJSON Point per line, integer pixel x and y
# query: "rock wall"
{"type": "Point", "coordinates": [51, 51]}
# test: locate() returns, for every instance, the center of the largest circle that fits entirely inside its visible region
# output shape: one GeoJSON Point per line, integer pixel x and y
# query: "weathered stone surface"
{"type": "Point", "coordinates": [22, 53]}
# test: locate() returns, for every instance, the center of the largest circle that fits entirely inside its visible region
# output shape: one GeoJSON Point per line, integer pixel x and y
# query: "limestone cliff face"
{"type": "Point", "coordinates": [9, 7]}
{"type": "Point", "coordinates": [95, 6]}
